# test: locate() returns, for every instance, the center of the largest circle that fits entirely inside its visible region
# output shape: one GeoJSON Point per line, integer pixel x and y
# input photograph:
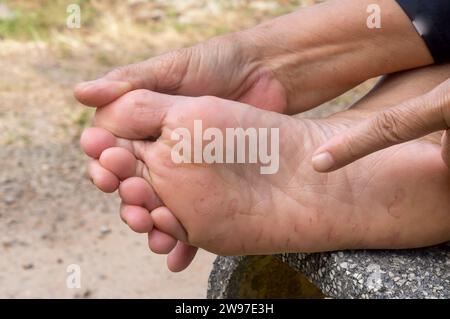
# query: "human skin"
{"type": "Point", "coordinates": [289, 64]}
{"type": "Point", "coordinates": [411, 119]}
{"type": "Point", "coordinates": [397, 198]}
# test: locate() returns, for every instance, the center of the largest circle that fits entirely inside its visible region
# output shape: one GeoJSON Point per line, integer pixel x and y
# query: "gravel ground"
{"type": "Point", "coordinates": [51, 216]}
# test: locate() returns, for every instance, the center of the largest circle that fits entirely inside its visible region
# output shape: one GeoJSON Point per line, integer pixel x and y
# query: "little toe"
{"type": "Point", "coordinates": [119, 161]}
{"type": "Point", "coordinates": [165, 221]}
{"type": "Point", "coordinates": [137, 218]}
{"type": "Point", "coordinates": [137, 191]}
{"type": "Point", "coordinates": [181, 257]}
{"type": "Point", "coordinates": [102, 178]}
{"type": "Point", "coordinates": [160, 243]}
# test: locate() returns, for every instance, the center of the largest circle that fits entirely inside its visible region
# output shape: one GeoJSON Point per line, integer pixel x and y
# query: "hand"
{"type": "Point", "coordinates": [289, 64]}
{"type": "Point", "coordinates": [223, 66]}
{"type": "Point", "coordinates": [408, 121]}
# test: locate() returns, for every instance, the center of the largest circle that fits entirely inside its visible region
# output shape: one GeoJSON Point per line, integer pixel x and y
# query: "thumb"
{"type": "Point", "coordinates": [408, 121]}
{"type": "Point", "coordinates": [100, 92]}
{"type": "Point", "coordinates": [163, 73]}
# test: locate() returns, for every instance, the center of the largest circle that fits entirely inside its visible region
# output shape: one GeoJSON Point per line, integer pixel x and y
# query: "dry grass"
{"type": "Point", "coordinates": [133, 25]}
{"type": "Point", "coordinates": [38, 48]}
{"type": "Point", "coordinates": [53, 216]}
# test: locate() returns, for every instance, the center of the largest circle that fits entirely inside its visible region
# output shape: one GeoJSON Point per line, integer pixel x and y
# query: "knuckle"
{"type": "Point", "coordinates": [389, 126]}
{"type": "Point", "coordinates": [440, 100]}
{"type": "Point", "coordinates": [350, 144]}
{"type": "Point", "coordinates": [171, 69]}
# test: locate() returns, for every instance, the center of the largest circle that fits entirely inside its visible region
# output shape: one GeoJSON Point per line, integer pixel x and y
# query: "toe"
{"type": "Point", "coordinates": [102, 178]}
{"type": "Point", "coordinates": [138, 192]}
{"type": "Point", "coordinates": [181, 257]}
{"type": "Point", "coordinates": [95, 140]}
{"type": "Point", "coordinates": [167, 222]}
{"type": "Point", "coordinates": [138, 114]}
{"type": "Point", "coordinates": [137, 218]}
{"type": "Point", "coordinates": [160, 243]}
{"type": "Point", "coordinates": [119, 161]}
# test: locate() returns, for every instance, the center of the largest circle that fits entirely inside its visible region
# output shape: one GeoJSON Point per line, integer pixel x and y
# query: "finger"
{"type": "Point", "coordinates": [162, 73]}
{"type": "Point", "coordinates": [167, 222]}
{"type": "Point", "coordinates": [100, 92]}
{"type": "Point", "coordinates": [137, 218]}
{"type": "Point", "coordinates": [160, 243]}
{"type": "Point", "coordinates": [181, 257]}
{"type": "Point", "coordinates": [410, 120]}
{"type": "Point", "coordinates": [446, 148]}
{"type": "Point", "coordinates": [136, 115]}
{"type": "Point", "coordinates": [102, 178]}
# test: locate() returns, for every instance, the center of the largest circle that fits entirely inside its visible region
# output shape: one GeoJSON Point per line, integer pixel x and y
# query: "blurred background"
{"type": "Point", "coordinates": [50, 214]}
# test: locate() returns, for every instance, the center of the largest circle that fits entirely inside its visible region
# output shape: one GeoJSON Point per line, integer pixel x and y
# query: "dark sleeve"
{"type": "Point", "coordinates": [431, 18]}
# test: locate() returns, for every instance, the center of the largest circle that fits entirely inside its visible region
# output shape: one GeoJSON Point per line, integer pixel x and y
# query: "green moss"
{"type": "Point", "coordinates": [268, 277]}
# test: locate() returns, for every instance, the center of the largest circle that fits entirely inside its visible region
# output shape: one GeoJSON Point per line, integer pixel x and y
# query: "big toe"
{"type": "Point", "coordinates": [136, 115]}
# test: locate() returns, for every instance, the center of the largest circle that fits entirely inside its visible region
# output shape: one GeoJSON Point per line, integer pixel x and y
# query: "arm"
{"type": "Point", "coordinates": [322, 51]}
{"type": "Point", "coordinates": [289, 64]}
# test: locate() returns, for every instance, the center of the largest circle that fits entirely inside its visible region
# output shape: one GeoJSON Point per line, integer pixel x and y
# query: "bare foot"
{"type": "Point", "coordinates": [113, 164]}
{"type": "Point", "coordinates": [396, 198]}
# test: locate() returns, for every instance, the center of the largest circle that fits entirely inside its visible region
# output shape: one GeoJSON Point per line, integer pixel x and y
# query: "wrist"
{"type": "Point", "coordinates": [322, 51]}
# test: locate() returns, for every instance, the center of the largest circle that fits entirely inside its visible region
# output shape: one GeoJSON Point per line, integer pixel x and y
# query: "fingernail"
{"type": "Point", "coordinates": [118, 86]}
{"type": "Point", "coordinates": [322, 162]}
{"type": "Point", "coordinates": [87, 84]}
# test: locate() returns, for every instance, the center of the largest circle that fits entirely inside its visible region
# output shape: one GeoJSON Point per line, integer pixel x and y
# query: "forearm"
{"type": "Point", "coordinates": [322, 51]}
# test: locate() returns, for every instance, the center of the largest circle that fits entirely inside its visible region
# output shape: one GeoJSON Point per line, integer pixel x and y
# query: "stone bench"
{"type": "Point", "coordinates": [419, 273]}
